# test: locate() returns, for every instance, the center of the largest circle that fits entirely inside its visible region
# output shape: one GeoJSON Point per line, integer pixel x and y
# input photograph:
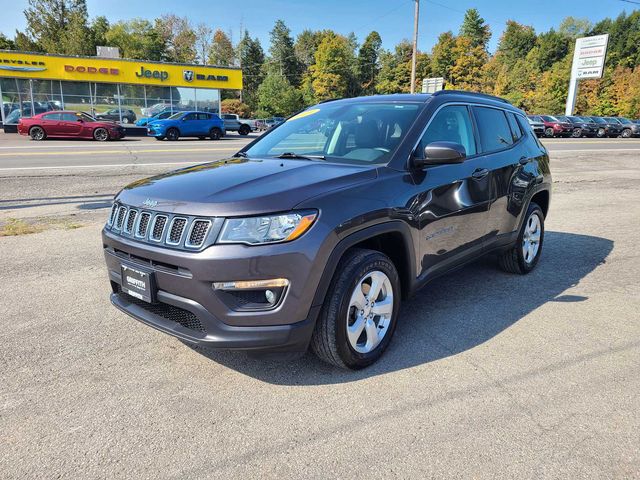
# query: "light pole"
{"type": "Point", "coordinates": [415, 47]}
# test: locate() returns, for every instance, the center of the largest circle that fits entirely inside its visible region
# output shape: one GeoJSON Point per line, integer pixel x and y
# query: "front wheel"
{"type": "Point", "coordinates": [525, 253]}
{"type": "Point", "coordinates": [125, 120]}
{"type": "Point", "coordinates": [159, 138]}
{"type": "Point", "coordinates": [173, 134]}
{"type": "Point", "coordinates": [360, 311]}
{"type": "Point", "coordinates": [215, 133]}
{"type": "Point", "coordinates": [601, 133]}
{"type": "Point", "coordinates": [548, 132]}
{"type": "Point", "coordinates": [577, 133]}
{"type": "Point", "coordinates": [101, 134]}
{"type": "Point", "coordinates": [626, 133]}
{"type": "Point", "coordinates": [244, 129]}
{"type": "Point", "coordinates": [37, 133]}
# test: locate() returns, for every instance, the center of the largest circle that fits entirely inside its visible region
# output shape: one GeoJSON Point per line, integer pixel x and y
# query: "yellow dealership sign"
{"type": "Point", "coordinates": [109, 70]}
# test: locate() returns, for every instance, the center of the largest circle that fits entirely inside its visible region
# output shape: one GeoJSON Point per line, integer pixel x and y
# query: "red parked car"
{"type": "Point", "coordinates": [69, 125]}
{"type": "Point", "coordinates": [554, 127]}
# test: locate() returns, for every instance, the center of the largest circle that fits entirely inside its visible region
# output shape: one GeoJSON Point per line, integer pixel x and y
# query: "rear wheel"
{"type": "Point", "coordinates": [37, 133]}
{"type": "Point", "coordinates": [215, 133]}
{"type": "Point", "coordinates": [360, 311]}
{"type": "Point", "coordinates": [101, 134]}
{"type": "Point", "coordinates": [525, 253]}
{"type": "Point", "coordinates": [626, 133]}
{"type": "Point", "coordinates": [173, 134]}
{"type": "Point", "coordinates": [244, 129]}
{"type": "Point", "coordinates": [601, 133]}
{"type": "Point", "coordinates": [548, 132]}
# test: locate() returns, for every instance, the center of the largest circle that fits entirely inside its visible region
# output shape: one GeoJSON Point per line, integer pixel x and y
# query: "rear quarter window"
{"type": "Point", "coordinates": [493, 127]}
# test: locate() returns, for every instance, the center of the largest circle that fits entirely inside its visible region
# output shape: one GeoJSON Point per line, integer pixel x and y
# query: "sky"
{"type": "Point", "coordinates": [393, 19]}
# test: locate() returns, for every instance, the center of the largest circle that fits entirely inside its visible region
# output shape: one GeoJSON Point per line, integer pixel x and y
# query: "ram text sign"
{"type": "Point", "coordinates": [589, 56]}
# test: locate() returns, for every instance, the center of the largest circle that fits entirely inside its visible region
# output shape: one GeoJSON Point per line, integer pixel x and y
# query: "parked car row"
{"type": "Point", "coordinates": [268, 123]}
{"type": "Point", "coordinates": [584, 126]}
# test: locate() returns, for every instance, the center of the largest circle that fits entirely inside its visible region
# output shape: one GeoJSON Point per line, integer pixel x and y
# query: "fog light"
{"type": "Point", "coordinates": [270, 296]}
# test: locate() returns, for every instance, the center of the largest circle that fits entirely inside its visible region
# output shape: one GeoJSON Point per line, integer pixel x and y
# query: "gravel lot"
{"type": "Point", "coordinates": [489, 376]}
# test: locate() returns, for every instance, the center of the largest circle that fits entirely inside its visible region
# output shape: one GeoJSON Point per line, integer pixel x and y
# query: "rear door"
{"type": "Point", "coordinates": [203, 123]}
{"type": "Point", "coordinates": [51, 123]}
{"type": "Point", "coordinates": [502, 140]}
{"type": "Point", "coordinates": [189, 125]}
{"type": "Point", "coordinates": [454, 199]}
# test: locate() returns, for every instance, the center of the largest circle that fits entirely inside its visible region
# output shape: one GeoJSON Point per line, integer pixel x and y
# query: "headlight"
{"type": "Point", "coordinates": [267, 229]}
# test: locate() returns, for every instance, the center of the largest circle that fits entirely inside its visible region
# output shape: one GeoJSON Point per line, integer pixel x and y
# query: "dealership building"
{"type": "Point", "coordinates": [34, 83]}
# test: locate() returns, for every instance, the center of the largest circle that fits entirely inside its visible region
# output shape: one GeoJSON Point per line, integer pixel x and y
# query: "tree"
{"type": "Point", "coordinates": [368, 62]}
{"type": "Point", "coordinates": [306, 45]}
{"type": "Point", "coordinates": [179, 38]}
{"type": "Point", "coordinates": [59, 26]}
{"type": "Point", "coordinates": [395, 69]}
{"type": "Point", "coordinates": [515, 43]}
{"type": "Point", "coordinates": [203, 42]}
{"type": "Point", "coordinates": [136, 38]}
{"type": "Point", "coordinates": [442, 56]}
{"type": "Point", "coordinates": [332, 71]}
{"type": "Point", "coordinates": [98, 30]}
{"type": "Point", "coordinates": [283, 59]}
{"type": "Point", "coordinates": [466, 73]}
{"type": "Point", "coordinates": [475, 28]}
{"type": "Point", "coordinates": [251, 58]}
{"type": "Point", "coordinates": [574, 27]}
{"type": "Point", "coordinates": [5, 43]}
{"type": "Point", "coordinates": [221, 51]}
{"type": "Point", "coordinates": [550, 47]}
{"type": "Point", "coordinates": [233, 105]}
{"type": "Point", "coordinates": [277, 97]}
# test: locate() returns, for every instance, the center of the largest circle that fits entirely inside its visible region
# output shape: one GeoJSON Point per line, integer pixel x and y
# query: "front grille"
{"type": "Point", "coordinates": [112, 215]}
{"type": "Point", "coordinates": [176, 230]}
{"type": "Point", "coordinates": [143, 224]}
{"type": "Point", "coordinates": [198, 233]}
{"type": "Point", "coordinates": [120, 218]}
{"type": "Point", "coordinates": [159, 223]}
{"type": "Point", "coordinates": [131, 220]}
{"type": "Point", "coordinates": [168, 312]}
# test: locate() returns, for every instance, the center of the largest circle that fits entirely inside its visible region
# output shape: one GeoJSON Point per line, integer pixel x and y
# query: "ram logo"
{"type": "Point", "coordinates": [188, 75]}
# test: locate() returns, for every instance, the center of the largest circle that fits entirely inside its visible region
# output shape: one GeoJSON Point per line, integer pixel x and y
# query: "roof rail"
{"type": "Point", "coordinates": [475, 94]}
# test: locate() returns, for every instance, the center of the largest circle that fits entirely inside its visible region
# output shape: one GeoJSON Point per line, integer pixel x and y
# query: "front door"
{"type": "Point", "coordinates": [453, 201]}
{"type": "Point", "coordinates": [70, 124]}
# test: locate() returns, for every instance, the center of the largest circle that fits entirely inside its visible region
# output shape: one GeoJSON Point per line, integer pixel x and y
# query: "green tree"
{"type": "Point", "coordinates": [251, 58]}
{"type": "Point", "coordinates": [283, 59]}
{"type": "Point", "coordinates": [368, 62]}
{"type": "Point", "coordinates": [395, 69]}
{"type": "Point", "coordinates": [550, 47]}
{"type": "Point", "coordinates": [136, 38]}
{"type": "Point", "coordinates": [59, 26]}
{"type": "Point", "coordinates": [277, 97]}
{"type": "Point", "coordinates": [306, 45]}
{"type": "Point", "coordinates": [475, 28]}
{"type": "Point", "coordinates": [442, 56]}
{"type": "Point", "coordinates": [515, 43]}
{"type": "Point", "coordinates": [573, 27]}
{"type": "Point", "coordinates": [466, 73]}
{"type": "Point", "coordinates": [98, 31]}
{"type": "Point", "coordinates": [6, 43]}
{"type": "Point", "coordinates": [332, 71]}
{"type": "Point", "coordinates": [221, 51]}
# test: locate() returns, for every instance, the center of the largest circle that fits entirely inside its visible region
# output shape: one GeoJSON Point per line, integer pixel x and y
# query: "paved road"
{"type": "Point", "coordinates": [489, 376]}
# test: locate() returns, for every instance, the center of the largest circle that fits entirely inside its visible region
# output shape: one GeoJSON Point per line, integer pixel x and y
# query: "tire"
{"type": "Point", "coordinates": [601, 133]}
{"type": "Point", "coordinates": [330, 340]}
{"type": "Point", "coordinates": [101, 134]}
{"type": "Point", "coordinates": [173, 134]}
{"type": "Point", "coordinates": [125, 120]}
{"type": "Point", "coordinates": [626, 133]}
{"type": "Point", "coordinates": [37, 133]}
{"type": "Point", "coordinates": [201, 138]}
{"type": "Point", "coordinates": [215, 133]}
{"type": "Point", "coordinates": [159, 138]}
{"type": "Point", "coordinates": [577, 133]}
{"type": "Point", "coordinates": [548, 132]}
{"type": "Point", "coordinates": [244, 129]}
{"type": "Point", "coordinates": [514, 260]}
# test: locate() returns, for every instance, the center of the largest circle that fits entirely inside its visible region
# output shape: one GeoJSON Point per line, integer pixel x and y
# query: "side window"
{"type": "Point", "coordinates": [69, 117]}
{"type": "Point", "coordinates": [495, 133]}
{"type": "Point", "coordinates": [203, 116]}
{"type": "Point", "coordinates": [190, 116]}
{"type": "Point", "coordinates": [52, 116]}
{"type": "Point", "coordinates": [451, 124]}
{"type": "Point", "coordinates": [516, 131]}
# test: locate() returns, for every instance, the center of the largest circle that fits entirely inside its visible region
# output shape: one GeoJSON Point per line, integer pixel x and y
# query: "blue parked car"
{"type": "Point", "coordinates": [144, 121]}
{"type": "Point", "coordinates": [187, 124]}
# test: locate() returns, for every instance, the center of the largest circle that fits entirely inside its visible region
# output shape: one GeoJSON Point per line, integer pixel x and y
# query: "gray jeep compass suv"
{"type": "Point", "coordinates": [313, 233]}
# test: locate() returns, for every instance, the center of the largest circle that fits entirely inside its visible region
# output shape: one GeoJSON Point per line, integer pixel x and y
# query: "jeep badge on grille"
{"type": "Point", "coordinates": [149, 203]}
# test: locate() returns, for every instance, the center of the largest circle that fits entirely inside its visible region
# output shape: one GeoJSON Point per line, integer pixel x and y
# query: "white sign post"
{"type": "Point", "coordinates": [588, 62]}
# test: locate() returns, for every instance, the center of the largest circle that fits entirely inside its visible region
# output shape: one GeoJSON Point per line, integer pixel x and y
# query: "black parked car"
{"type": "Point", "coordinates": [607, 128]}
{"type": "Point", "coordinates": [314, 232]}
{"type": "Point", "coordinates": [629, 128]}
{"type": "Point", "coordinates": [128, 116]}
{"type": "Point", "coordinates": [537, 124]}
{"type": "Point", "coordinates": [580, 128]}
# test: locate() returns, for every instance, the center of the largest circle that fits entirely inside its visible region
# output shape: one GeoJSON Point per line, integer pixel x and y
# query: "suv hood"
{"type": "Point", "coordinates": [241, 186]}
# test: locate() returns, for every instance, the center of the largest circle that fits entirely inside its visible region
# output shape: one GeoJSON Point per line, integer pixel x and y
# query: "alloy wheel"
{"type": "Point", "coordinates": [370, 311]}
{"type": "Point", "coordinates": [37, 133]}
{"type": "Point", "coordinates": [549, 132]}
{"type": "Point", "coordinates": [531, 238]}
{"type": "Point", "coordinates": [101, 134]}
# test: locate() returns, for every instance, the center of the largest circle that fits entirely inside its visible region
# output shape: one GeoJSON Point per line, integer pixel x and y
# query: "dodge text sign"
{"type": "Point", "coordinates": [588, 58]}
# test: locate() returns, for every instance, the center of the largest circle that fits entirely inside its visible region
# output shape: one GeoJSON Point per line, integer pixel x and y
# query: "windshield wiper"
{"type": "Point", "coordinates": [303, 157]}
{"type": "Point", "coordinates": [241, 154]}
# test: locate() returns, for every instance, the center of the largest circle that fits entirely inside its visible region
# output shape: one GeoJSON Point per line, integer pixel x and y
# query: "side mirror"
{"type": "Point", "coordinates": [80, 120]}
{"type": "Point", "coordinates": [441, 153]}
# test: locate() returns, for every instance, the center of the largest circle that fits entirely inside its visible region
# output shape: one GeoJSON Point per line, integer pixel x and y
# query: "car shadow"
{"type": "Point", "coordinates": [453, 314]}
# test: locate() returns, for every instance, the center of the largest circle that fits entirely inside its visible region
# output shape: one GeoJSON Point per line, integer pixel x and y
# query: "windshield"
{"type": "Point", "coordinates": [175, 116]}
{"type": "Point", "coordinates": [548, 118]}
{"type": "Point", "coordinates": [355, 133]}
{"type": "Point", "coordinates": [626, 121]}
{"type": "Point", "coordinates": [611, 120]}
{"type": "Point", "coordinates": [562, 118]}
{"type": "Point", "coordinates": [85, 117]}
{"type": "Point", "coordinates": [598, 120]}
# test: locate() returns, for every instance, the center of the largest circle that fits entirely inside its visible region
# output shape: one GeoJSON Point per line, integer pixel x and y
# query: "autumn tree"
{"type": "Point", "coordinates": [442, 56]}
{"type": "Point", "coordinates": [203, 42]}
{"type": "Point", "coordinates": [221, 51]}
{"type": "Point", "coordinates": [59, 26]}
{"type": "Point", "coordinates": [179, 38]}
{"type": "Point", "coordinates": [466, 72]}
{"type": "Point", "coordinates": [233, 105]}
{"type": "Point", "coordinates": [368, 62]}
{"type": "Point", "coordinates": [332, 69]}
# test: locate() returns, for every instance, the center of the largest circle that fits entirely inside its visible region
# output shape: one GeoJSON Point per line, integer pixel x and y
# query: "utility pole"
{"type": "Point", "coordinates": [415, 46]}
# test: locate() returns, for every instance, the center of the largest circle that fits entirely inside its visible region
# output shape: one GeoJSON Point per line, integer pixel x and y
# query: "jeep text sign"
{"type": "Point", "coordinates": [589, 56]}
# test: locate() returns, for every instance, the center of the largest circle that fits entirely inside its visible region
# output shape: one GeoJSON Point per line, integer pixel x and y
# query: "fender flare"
{"type": "Point", "coordinates": [393, 226]}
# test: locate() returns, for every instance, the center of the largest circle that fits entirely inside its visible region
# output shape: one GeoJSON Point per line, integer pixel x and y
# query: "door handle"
{"type": "Point", "coordinates": [480, 173]}
{"type": "Point", "coordinates": [524, 160]}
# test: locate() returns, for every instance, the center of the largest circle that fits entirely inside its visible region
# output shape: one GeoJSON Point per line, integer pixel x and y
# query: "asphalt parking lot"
{"type": "Point", "coordinates": [489, 375]}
